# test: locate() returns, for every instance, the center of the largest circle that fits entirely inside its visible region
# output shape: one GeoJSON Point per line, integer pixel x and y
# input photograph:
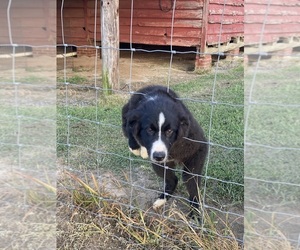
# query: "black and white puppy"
{"type": "Point", "coordinates": [159, 126]}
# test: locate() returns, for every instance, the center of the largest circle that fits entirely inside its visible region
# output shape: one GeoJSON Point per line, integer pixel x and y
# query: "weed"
{"type": "Point", "coordinates": [136, 228]}
{"type": "Point", "coordinates": [76, 79]}
{"type": "Point", "coordinates": [262, 231]}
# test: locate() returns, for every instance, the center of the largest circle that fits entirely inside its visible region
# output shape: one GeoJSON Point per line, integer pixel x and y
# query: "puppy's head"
{"type": "Point", "coordinates": [157, 129]}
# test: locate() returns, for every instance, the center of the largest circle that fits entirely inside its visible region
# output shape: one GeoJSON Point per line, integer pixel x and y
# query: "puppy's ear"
{"type": "Point", "coordinates": [184, 126]}
{"type": "Point", "coordinates": [133, 119]}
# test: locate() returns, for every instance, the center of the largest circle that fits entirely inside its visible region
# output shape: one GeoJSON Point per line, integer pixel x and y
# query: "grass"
{"type": "Point", "coordinates": [128, 228]}
{"type": "Point", "coordinates": [272, 155]}
{"type": "Point", "coordinates": [90, 140]}
{"type": "Point", "coordinates": [274, 126]}
{"type": "Point", "coordinates": [30, 77]}
{"type": "Point", "coordinates": [28, 209]}
{"type": "Point", "coordinates": [268, 235]}
{"type": "Point", "coordinates": [75, 79]}
{"type": "Point", "coordinates": [27, 179]}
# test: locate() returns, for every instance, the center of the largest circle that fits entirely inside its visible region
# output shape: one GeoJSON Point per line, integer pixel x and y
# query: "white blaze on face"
{"type": "Point", "coordinates": [159, 145]}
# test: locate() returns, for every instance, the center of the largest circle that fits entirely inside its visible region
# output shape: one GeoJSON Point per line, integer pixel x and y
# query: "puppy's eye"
{"type": "Point", "coordinates": [169, 132]}
{"type": "Point", "coordinates": [150, 131]}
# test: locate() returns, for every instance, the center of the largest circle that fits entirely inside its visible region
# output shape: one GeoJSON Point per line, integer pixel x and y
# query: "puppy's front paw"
{"type": "Point", "coordinates": [144, 153]}
{"type": "Point", "coordinates": [159, 203]}
{"type": "Point", "coordinates": [136, 152]}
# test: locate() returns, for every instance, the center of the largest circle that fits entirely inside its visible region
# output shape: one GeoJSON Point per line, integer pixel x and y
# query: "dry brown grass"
{"type": "Point", "coordinates": [27, 212]}
{"type": "Point", "coordinates": [88, 216]}
{"type": "Point", "coordinates": [265, 233]}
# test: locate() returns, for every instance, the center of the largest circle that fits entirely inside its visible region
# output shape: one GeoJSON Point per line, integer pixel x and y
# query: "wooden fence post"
{"type": "Point", "coordinates": [110, 44]}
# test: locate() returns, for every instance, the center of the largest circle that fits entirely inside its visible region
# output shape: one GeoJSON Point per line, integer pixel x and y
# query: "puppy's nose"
{"type": "Point", "coordinates": [159, 156]}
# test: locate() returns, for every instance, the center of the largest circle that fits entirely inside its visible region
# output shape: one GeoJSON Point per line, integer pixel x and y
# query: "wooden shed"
{"type": "Point", "coordinates": [207, 25]}
{"type": "Point", "coordinates": [274, 25]}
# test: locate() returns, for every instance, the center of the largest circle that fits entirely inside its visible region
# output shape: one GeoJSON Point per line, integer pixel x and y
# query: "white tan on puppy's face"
{"type": "Point", "coordinates": [157, 136]}
{"type": "Point", "coordinates": [159, 152]}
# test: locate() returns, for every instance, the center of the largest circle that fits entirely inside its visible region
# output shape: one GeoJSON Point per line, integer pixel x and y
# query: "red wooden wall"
{"type": "Point", "coordinates": [31, 22]}
{"type": "Point", "coordinates": [278, 20]}
{"type": "Point", "coordinates": [151, 25]}
{"type": "Point", "coordinates": [73, 22]}
{"type": "Point", "coordinates": [225, 21]}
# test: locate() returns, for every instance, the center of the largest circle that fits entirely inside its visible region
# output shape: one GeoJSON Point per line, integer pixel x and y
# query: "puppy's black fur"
{"type": "Point", "coordinates": [156, 120]}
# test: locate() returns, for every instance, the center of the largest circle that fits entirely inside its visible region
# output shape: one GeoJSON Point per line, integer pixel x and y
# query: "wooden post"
{"type": "Point", "coordinates": [110, 44]}
{"type": "Point", "coordinates": [203, 61]}
{"type": "Point", "coordinates": [204, 27]}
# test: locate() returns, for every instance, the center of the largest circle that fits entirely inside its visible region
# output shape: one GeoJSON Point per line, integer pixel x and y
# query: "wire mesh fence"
{"type": "Point", "coordinates": [104, 194]}
{"type": "Point", "coordinates": [271, 107]}
{"type": "Point", "coordinates": [95, 160]}
{"type": "Point", "coordinates": [27, 128]}
{"type": "Point", "coordinates": [91, 144]}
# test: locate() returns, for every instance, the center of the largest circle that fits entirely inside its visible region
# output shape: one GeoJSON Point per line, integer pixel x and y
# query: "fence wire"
{"type": "Point", "coordinates": [271, 150]}
{"type": "Point", "coordinates": [104, 194]}
{"type": "Point", "coordinates": [140, 192]}
{"type": "Point", "coordinates": [27, 132]}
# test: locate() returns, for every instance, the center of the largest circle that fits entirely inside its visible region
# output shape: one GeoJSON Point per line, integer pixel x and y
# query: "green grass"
{"type": "Point", "coordinates": [275, 84]}
{"type": "Point", "coordinates": [272, 154]}
{"type": "Point", "coordinates": [96, 139]}
{"type": "Point", "coordinates": [275, 127]}
{"type": "Point", "coordinates": [76, 79]}
{"type": "Point", "coordinates": [29, 125]}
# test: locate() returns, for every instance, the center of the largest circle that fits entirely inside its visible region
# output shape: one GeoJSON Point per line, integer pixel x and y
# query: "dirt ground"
{"type": "Point", "coordinates": [144, 69]}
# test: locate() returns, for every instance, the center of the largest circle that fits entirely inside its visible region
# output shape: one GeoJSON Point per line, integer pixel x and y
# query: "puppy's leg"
{"type": "Point", "coordinates": [192, 183]}
{"type": "Point", "coordinates": [134, 147]}
{"type": "Point", "coordinates": [144, 153]}
{"type": "Point", "coordinates": [191, 177]}
{"type": "Point", "coordinates": [136, 152]}
{"type": "Point", "coordinates": [170, 185]}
